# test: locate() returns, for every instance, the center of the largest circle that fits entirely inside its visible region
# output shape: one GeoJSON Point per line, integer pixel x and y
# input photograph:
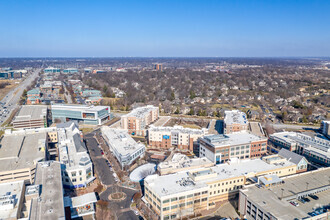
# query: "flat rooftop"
{"type": "Point", "coordinates": [87, 108]}
{"type": "Point", "coordinates": [51, 204]}
{"type": "Point", "coordinates": [121, 141]}
{"type": "Point", "coordinates": [222, 140]}
{"type": "Point", "coordinates": [170, 184]}
{"type": "Point", "coordinates": [140, 112]}
{"type": "Point", "coordinates": [182, 161]}
{"type": "Point", "coordinates": [10, 198]}
{"type": "Point", "coordinates": [268, 198]}
{"type": "Point", "coordinates": [21, 150]}
{"type": "Point", "coordinates": [179, 129]}
{"type": "Point", "coordinates": [31, 112]}
{"type": "Point", "coordinates": [235, 117]}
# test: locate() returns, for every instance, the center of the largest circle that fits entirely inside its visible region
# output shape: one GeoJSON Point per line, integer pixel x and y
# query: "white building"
{"type": "Point", "coordinates": [77, 169]}
{"type": "Point", "coordinates": [123, 146]}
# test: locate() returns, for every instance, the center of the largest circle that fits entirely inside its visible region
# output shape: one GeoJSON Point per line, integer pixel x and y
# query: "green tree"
{"type": "Point", "coordinates": [192, 94]}
{"type": "Point", "coordinates": [191, 112]}
{"type": "Point", "coordinates": [177, 111]}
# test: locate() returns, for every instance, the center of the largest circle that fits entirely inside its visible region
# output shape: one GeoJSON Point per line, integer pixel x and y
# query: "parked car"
{"type": "Point", "coordinates": [294, 203]}
{"type": "Point", "coordinates": [314, 197]}
{"type": "Point", "coordinates": [302, 200]}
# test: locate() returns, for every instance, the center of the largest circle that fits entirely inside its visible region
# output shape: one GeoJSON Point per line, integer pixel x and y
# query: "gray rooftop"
{"type": "Point", "coordinates": [293, 157]}
{"type": "Point", "coordinates": [20, 150]}
{"type": "Point", "coordinates": [10, 198]}
{"type": "Point", "coordinates": [268, 198]}
{"type": "Point", "coordinates": [31, 112]}
{"type": "Point", "coordinates": [50, 205]}
{"type": "Point", "coordinates": [85, 108]}
{"type": "Point", "coordinates": [179, 129]}
{"type": "Point", "coordinates": [222, 140]}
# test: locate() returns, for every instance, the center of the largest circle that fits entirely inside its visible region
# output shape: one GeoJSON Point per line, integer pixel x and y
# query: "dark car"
{"type": "Point", "coordinates": [314, 197]}
{"type": "Point", "coordinates": [306, 199]}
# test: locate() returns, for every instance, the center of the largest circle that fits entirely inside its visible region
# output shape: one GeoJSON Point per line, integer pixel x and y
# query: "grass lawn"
{"type": "Point", "coordinates": [12, 85]}
{"type": "Point", "coordinates": [193, 126]}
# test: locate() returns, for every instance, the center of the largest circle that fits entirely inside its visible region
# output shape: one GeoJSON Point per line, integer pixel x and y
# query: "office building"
{"type": "Point", "coordinates": [158, 67]}
{"type": "Point", "coordinates": [189, 192]}
{"type": "Point", "coordinates": [325, 128]}
{"type": "Point", "coordinates": [138, 119]}
{"type": "Point", "coordinates": [77, 168]}
{"type": "Point", "coordinates": [122, 145]}
{"type": "Point", "coordinates": [33, 96]}
{"type": "Point", "coordinates": [270, 199]}
{"type": "Point", "coordinates": [70, 70]}
{"type": "Point", "coordinates": [52, 70]}
{"type": "Point", "coordinates": [95, 115]}
{"type": "Point", "coordinates": [31, 116]}
{"type": "Point", "coordinates": [314, 149]}
{"type": "Point", "coordinates": [234, 121]}
{"type": "Point", "coordinates": [180, 162]}
{"type": "Point", "coordinates": [242, 145]}
{"type": "Point", "coordinates": [178, 136]}
{"type": "Point", "coordinates": [20, 151]}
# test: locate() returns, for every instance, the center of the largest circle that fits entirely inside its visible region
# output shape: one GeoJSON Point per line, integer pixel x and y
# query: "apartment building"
{"type": "Point", "coordinates": [314, 149]}
{"type": "Point", "coordinates": [242, 145]}
{"type": "Point", "coordinates": [189, 192]}
{"type": "Point", "coordinates": [234, 121]}
{"type": "Point", "coordinates": [325, 128]}
{"type": "Point", "coordinates": [77, 168]}
{"type": "Point", "coordinates": [123, 146]}
{"type": "Point", "coordinates": [272, 202]}
{"type": "Point", "coordinates": [31, 116]}
{"type": "Point", "coordinates": [180, 162]}
{"type": "Point", "coordinates": [138, 119]}
{"type": "Point", "coordinates": [94, 115]}
{"type": "Point", "coordinates": [178, 136]}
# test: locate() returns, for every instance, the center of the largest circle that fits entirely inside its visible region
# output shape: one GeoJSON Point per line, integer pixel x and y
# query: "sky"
{"type": "Point", "coordinates": [164, 28]}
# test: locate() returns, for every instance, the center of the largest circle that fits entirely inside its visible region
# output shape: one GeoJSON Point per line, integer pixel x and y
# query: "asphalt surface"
{"type": "Point", "coordinates": [12, 98]}
{"type": "Point", "coordinates": [122, 208]}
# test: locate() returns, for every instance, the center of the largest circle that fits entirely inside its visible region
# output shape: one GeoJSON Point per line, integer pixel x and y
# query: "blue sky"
{"type": "Point", "coordinates": [163, 28]}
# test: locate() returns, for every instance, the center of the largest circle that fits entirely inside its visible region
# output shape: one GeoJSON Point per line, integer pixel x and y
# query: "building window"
{"type": "Point", "coordinates": [73, 173]}
{"type": "Point", "coordinates": [174, 199]}
{"type": "Point", "coordinates": [74, 180]}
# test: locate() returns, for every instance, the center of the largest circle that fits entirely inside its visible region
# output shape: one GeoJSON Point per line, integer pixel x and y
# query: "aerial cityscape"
{"type": "Point", "coordinates": [148, 111]}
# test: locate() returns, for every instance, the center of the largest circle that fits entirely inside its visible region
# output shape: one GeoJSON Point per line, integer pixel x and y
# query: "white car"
{"type": "Point", "coordinates": [136, 212]}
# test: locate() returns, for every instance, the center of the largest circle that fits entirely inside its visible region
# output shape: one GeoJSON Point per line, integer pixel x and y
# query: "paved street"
{"type": "Point", "coordinates": [122, 208]}
{"type": "Point", "coordinates": [12, 98]}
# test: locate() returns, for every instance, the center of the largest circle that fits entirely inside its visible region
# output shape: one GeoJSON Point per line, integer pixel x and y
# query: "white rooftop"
{"type": "Point", "coordinates": [222, 140]}
{"type": "Point", "coordinates": [90, 108]}
{"type": "Point", "coordinates": [179, 129]}
{"type": "Point", "coordinates": [235, 117]}
{"type": "Point", "coordinates": [120, 140]}
{"type": "Point", "coordinates": [140, 112]}
{"type": "Point", "coordinates": [10, 198]}
{"type": "Point", "coordinates": [182, 161]}
{"type": "Point", "coordinates": [170, 184]}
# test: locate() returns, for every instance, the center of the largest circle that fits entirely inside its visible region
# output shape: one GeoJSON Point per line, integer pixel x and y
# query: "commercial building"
{"type": "Point", "coordinates": [52, 70]}
{"type": "Point", "coordinates": [42, 200]}
{"type": "Point", "coordinates": [31, 116]}
{"type": "Point", "coordinates": [325, 128]}
{"type": "Point", "coordinates": [45, 196]}
{"type": "Point", "coordinates": [81, 206]}
{"type": "Point", "coordinates": [189, 192]}
{"type": "Point", "coordinates": [123, 146]}
{"type": "Point", "coordinates": [300, 161]}
{"type": "Point", "coordinates": [242, 145]}
{"type": "Point", "coordinates": [166, 137]}
{"type": "Point", "coordinates": [314, 149]}
{"type": "Point", "coordinates": [138, 119]}
{"type": "Point", "coordinates": [70, 70]}
{"type": "Point", "coordinates": [95, 115]}
{"type": "Point", "coordinates": [33, 96]}
{"type": "Point", "coordinates": [180, 162]}
{"type": "Point", "coordinates": [158, 67]}
{"type": "Point", "coordinates": [234, 121]}
{"type": "Point", "coordinates": [91, 93]}
{"type": "Point", "coordinates": [272, 202]}
{"type": "Point", "coordinates": [20, 151]}
{"type": "Point", "coordinates": [77, 168]}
